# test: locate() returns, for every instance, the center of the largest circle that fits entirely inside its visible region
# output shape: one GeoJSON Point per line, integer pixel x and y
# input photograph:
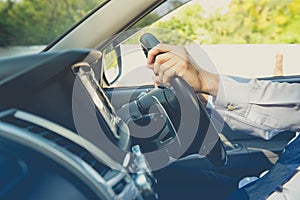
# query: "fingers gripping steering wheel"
{"type": "Point", "coordinates": [205, 140]}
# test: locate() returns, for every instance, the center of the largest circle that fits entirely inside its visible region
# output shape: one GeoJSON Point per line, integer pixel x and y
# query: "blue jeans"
{"type": "Point", "coordinates": [175, 183]}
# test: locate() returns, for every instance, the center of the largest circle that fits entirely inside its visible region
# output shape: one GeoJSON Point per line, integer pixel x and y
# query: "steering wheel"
{"type": "Point", "coordinates": [195, 123]}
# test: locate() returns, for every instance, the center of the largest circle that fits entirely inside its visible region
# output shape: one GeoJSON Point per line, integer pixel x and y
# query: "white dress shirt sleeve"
{"type": "Point", "coordinates": [257, 107]}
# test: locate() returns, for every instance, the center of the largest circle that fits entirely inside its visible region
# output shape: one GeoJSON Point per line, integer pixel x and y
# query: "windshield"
{"type": "Point", "coordinates": [27, 26]}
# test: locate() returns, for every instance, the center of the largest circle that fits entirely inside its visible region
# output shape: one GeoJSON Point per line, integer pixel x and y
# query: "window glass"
{"type": "Point", "coordinates": [110, 64]}
{"type": "Point", "coordinates": [26, 26]}
{"type": "Point", "coordinates": [257, 38]}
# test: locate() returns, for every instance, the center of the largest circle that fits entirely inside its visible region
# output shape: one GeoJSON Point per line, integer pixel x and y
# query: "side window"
{"type": "Point", "coordinates": [130, 64]}
{"type": "Point", "coordinates": [241, 38]}
{"type": "Point", "coordinates": [125, 65]}
{"type": "Point", "coordinates": [134, 65]}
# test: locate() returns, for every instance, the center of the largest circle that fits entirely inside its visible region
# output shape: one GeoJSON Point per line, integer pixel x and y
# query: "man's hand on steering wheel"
{"type": "Point", "coordinates": [168, 61]}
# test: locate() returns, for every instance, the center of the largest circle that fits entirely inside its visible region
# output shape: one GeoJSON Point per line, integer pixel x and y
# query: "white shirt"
{"type": "Point", "coordinates": [263, 109]}
{"type": "Point", "coordinates": [260, 108]}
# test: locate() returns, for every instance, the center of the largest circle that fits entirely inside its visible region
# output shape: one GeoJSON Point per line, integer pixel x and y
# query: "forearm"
{"type": "Point", "coordinates": [204, 82]}
{"type": "Point", "coordinates": [209, 83]}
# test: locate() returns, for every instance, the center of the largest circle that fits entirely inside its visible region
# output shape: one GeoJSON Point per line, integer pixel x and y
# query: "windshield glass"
{"type": "Point", "coordinates": [27, 26]}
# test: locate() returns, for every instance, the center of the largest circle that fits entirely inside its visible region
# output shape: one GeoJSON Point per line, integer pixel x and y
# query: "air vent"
{"type": "Point", "coordinates": [116, 180]}
{"type": "Point", "coordinates": [59, 140]}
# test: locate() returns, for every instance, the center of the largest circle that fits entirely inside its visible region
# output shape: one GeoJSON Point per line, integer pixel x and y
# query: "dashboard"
{"type": "Point", "coordinates": [42, 150]}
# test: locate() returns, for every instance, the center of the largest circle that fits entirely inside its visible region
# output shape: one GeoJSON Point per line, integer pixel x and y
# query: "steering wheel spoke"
{"type": "Point", "coordinates": [169, 128]}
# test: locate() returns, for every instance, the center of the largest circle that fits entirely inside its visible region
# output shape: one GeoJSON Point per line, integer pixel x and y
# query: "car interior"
{"type": "Point", "coordinates": [68, 131]}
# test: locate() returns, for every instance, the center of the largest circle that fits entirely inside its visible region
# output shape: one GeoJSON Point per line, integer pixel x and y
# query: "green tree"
{"type": "Point", "coordinates": [255, 21]}
{"type": "Point", "coordinates": [36, 22]}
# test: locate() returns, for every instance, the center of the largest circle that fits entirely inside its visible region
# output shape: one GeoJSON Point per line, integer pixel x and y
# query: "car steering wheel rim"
{"type": "Point", "coordinates": [206, 141]}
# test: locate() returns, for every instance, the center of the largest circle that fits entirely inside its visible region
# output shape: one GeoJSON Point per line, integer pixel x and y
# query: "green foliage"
{"type": "Point", "coordinates": [38, 22]}
{"type": "Point", "coordinates": [184, 27]}
{"type": "Point", "coordinates": [246, 22]}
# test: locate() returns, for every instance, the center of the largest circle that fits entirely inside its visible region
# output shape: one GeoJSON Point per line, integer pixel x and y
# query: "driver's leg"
{"type": "Point", "coordinates": [179, 183]}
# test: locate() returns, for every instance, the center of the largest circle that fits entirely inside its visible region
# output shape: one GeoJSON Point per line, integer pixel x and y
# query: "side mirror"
{"type": "Point", "coordinates": [112, 64]}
